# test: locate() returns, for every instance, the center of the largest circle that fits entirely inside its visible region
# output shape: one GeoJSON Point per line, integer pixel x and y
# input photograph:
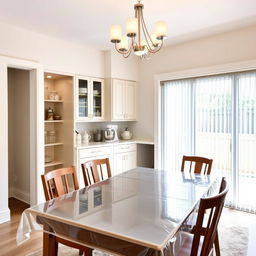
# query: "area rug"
{"type": "Point", "coordinates": [233, 241]}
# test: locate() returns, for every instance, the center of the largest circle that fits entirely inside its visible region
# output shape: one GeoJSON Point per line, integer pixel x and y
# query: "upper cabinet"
{"type": "Point", "coordinates": [122, 100]}
{"type": "Point", "coordinates": [89, 99]}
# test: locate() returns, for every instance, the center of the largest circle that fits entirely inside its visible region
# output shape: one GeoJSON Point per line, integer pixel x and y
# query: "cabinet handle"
{"type": "Point", "coordinates": [125, 147]}
{"type": "Point", "coordinates": [93, 152]}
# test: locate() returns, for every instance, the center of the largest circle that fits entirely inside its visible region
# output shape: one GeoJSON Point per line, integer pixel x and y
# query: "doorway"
{"type": "Point", "coordinates": [19, 134]}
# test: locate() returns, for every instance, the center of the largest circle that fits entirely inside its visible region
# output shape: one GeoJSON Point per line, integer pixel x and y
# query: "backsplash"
{"type": "Point", "coordinates": [91, 127]}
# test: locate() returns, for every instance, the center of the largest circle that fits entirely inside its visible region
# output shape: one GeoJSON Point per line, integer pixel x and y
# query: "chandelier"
{"type": "Point", "coordinates": [141, 42]}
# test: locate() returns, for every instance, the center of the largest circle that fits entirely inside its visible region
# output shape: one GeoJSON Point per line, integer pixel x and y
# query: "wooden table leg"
{"type": "Point", "coordinates": [50, 246]}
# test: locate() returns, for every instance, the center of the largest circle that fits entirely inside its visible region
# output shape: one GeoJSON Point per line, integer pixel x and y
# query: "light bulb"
{"type": "Point", "coordinates": [115, 33]}
{"type": "Point", "coordinates": [132, 26]}
{"type": "Point", "coordinates": [161, 30]}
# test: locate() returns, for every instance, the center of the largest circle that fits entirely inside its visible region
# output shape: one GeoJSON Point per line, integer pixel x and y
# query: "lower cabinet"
{"type": "Point", "coordinates": [124, 161]}
{"type": "Point", "coordinates": [122, 158]}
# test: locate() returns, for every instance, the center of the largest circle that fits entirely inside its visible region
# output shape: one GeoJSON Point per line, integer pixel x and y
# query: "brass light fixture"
{"type": "Point", "coordinates": [141, 42]}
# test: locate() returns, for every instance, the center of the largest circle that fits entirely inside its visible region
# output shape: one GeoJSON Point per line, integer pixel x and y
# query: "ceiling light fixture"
{"type": "Point", "coordinates": [49, 76]}
{"type": "Point", "coordinates": [141, 42]}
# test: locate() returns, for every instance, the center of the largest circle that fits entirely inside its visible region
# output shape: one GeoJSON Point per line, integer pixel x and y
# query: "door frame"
{"type": "Point", "coordinates": [36, 88]}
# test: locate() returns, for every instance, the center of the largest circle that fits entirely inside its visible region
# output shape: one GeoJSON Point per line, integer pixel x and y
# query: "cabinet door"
{"type": "Point", "coordinates": [118, 99]}
{"type": "Point", "coordinates": [130, 100]}
{"type": "Point", "coordinates": [98, 107]}
{"type": "Point", "coordinates": [119, 163]}
{"type": "Point", "coordinates": [130, 160]}
{"type": "Point", "coordinates": [82, 98]}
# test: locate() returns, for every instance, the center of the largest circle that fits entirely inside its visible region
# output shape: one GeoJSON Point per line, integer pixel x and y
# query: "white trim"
{"type": "Point", "coordinates": [4, 211]}
{"type": "Point", "coordinates": [183, 74]}
{"type": "Point", "coordinates": [36, 128]}
{"type": "Point", "coordinates": [5, 215]}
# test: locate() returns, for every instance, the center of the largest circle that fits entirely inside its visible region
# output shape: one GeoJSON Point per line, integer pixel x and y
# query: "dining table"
{"type": "Point", "coordinates": [140, 212]}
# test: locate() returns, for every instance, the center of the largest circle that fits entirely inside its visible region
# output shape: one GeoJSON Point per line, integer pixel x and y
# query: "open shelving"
{"type": "Point", "coordinates": [61, 151]}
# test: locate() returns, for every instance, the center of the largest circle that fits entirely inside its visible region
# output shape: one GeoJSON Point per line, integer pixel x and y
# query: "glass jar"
{"type": "Point", "coordinates": [52, 137]}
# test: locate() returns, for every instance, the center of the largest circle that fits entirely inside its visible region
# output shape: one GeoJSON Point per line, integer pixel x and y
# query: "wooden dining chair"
{"type": "Point", "coordinates": [193, 244]}
{"type": "Point", "coordinates": [93, 171]}
{"type": "Point", "coordinates": [200, 164]}
{"type": "Point", "coordinates": [55, 184]}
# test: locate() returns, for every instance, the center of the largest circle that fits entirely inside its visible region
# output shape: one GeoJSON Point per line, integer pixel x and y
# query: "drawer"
{"type": "Point", "coordinates": [92, 152]}
{"type": "Point", "coordinates": [125, 148]}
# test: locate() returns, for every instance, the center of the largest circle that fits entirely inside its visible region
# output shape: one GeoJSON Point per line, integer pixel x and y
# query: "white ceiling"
{"type": "Point", "coordinates": [88, 21]}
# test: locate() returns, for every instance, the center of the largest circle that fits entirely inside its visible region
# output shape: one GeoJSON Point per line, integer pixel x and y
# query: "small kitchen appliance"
{"type": "Point", "coordinates": [110, 133]}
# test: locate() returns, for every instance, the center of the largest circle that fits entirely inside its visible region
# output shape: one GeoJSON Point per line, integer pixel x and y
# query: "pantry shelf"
{"type": "Point", "coordinates": [53, 163]}
{"type": "Point", "coordinates": [54, 144]}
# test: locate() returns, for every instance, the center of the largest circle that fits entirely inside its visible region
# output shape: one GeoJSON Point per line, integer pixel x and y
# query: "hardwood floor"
{"type": "Point", "coordinates": [8, 231]}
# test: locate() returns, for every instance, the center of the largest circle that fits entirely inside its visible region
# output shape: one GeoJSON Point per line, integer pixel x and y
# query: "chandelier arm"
{"type": "Point", "coordinates": [145, 35]}
{"type": "Point", "coordinates": [119, 50]}
{"type": "Point", "coordinates": [126, 56]}
{"type": "Point", "coordinates": [160, 47]}
{"type": "Point", "coordinates": [143, 21]}
{"type": "Point", "coordinates": [128, 53]}
{"type": "Point", "coordinates": [157, 49]}
{"type": "Point", "coordinates": [139, 25]}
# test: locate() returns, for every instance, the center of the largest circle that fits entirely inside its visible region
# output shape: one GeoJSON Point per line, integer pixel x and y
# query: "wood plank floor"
{"type": "Point", "coordinates": [8, 231]}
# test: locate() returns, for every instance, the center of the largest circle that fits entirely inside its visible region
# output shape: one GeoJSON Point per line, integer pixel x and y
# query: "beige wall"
{"type": "Point", "coordinates": [18, 114]}
{"type": "Point", "coordinates": [54, 54]}
{"type": "Point", "coordinates": [234, 46]}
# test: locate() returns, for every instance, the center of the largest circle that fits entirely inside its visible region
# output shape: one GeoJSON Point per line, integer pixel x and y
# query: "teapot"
{"type": "Point", "coordinates": [126, 134]}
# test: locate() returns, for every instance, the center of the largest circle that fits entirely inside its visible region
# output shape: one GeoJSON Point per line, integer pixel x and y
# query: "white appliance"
{"type": "Point", "coordinates": [110, 133]}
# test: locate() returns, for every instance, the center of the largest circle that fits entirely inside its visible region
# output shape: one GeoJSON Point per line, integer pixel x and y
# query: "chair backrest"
{"type": "Point", "coordinates": [55, 183]}
{"type": "Point", "coordinates": [214, 205]}
{"type": "Point", "coordinates": [93, 171]}
{"type": "Point", "coordinates": [199, 163]}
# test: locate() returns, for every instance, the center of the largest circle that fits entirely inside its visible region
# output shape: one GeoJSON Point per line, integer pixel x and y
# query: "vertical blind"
{"type": "Point", "coordinates": [213, 117]}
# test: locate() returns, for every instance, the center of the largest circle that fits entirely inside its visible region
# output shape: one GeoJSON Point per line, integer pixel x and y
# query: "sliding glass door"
{"type": "Point", "coordinates": [214, 117]}
{"type": "Point", "coordinates": [246, 185]}
{"type": "Point", "coordinates": [213, 122]}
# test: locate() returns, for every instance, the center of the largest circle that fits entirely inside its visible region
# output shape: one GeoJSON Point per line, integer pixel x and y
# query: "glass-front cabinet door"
{"type": "Point", "coordinates": [83, 93]}
{"type": "Point", "coordinates": [98, 99]}
{"type": "Point", "coordinates": [90, 99]}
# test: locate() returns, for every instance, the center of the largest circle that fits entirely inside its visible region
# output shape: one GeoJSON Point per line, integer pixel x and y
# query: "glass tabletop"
{"type": "Point", "coordinates": [145, 206]}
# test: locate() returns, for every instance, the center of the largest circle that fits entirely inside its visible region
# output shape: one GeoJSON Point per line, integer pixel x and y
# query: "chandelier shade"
{"type": "Point", "coordinates": [137, 38]}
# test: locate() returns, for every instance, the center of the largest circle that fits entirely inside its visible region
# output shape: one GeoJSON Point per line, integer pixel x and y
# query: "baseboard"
{"type": "Point", "coordinates": [5, 215]}
{"type": "Point", "coordinates": [10, 192]}
{"type": "Point", "coordinates": [21, 195]}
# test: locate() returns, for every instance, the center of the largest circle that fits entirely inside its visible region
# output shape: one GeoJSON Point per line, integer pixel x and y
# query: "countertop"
{"type": "Point", "coordinates": [120, 142]}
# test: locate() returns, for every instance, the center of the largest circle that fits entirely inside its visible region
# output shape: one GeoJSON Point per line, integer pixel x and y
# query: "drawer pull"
{"type": "Point", "coordinates": [126, 147]}
{"type": "Point", "coordinates": [93, 152]}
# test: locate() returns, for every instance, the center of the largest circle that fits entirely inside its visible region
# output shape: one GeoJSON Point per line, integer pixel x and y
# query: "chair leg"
{"type": "Point", "coordinates": [88, 252]}
{"type": "Point", "coordinates": [216, 244]}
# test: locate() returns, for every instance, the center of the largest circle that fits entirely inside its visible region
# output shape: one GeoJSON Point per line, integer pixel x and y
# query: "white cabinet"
{"type": "Point", "coordinates": [130, 100]}
{"type": "Point", "coordinates": [93, 153]}
{"type": "Point", "coordinates": [89, 99]}
{"type": "Point", "coordinates": [122, 157]}
{"type": "Point", "coordinates": [123, 95]}
{"type": "Point", "coordinates": [125, 158]}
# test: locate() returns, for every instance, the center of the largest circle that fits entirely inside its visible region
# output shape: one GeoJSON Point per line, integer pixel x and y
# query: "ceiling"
{"type": "Point", "coordinates": [88, 21]}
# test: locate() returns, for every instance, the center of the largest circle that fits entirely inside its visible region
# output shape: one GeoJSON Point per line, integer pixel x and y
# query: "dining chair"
{"type": "Point", "coordinates": [93, 171]}
{"type": "Point", "coordinates": [193, 244]}
{"type": "Point", "coordinates": [57, 183]}
{"type": "Point", "coordinates": [200, 164]}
